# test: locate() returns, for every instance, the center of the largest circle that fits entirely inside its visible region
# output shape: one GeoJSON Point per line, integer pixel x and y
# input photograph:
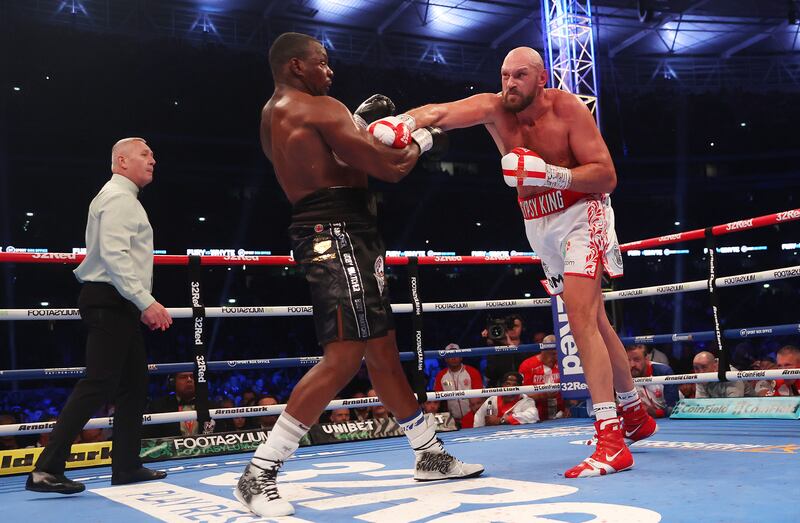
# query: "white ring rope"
{"type": "Point", "coordinates": [274, 410]}
{"type": "Point", "coordinates": [402, 308]}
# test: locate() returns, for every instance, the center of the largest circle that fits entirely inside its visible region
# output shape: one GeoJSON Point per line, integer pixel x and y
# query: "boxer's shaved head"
{"type": "Point", "coordinates": [288, 46]}
{"type": "Point", "coordinates": [523, 78]}
{"type": "Point", "coordinates": [522, 55]}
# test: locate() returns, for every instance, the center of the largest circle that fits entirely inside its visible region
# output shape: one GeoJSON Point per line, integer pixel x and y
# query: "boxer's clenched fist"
{"type": "Point", "coordinates": [375, 107]}
{"type": "Point", "coordinates": [523, 167]}
{"type": "Point", "coordinates": [391, 131]}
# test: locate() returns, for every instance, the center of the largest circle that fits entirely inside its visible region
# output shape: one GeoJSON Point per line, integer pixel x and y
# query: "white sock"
{"type": "Point", "coordinates": [421, 434]}
{"type": "Point", "coordinates": [604, 411]}
{"type": "Point", "coordinates": [283, 439]}
{"type": "Point", "coordinates": [626, 398]}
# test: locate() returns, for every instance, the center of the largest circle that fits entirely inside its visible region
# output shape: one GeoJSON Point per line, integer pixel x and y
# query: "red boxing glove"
{"type": "Point", "coordinates": [391, 131]}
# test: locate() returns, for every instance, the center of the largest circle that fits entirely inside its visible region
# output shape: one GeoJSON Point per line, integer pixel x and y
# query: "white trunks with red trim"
{"type": "Point", "coordinates": [573, 233]}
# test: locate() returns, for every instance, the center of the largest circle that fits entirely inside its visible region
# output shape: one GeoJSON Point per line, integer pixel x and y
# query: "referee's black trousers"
{"type": "Point", "coordinates": [116, 372]}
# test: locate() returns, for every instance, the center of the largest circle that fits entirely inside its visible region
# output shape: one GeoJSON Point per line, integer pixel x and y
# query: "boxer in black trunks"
{"type": "Point", "coordinates": [322, 157]}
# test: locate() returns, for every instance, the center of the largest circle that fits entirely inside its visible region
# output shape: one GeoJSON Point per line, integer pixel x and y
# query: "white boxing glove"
{"type": "Point", "coordinates": [391, 131]}
{"type": "Point", "coordinates": [523, 167]}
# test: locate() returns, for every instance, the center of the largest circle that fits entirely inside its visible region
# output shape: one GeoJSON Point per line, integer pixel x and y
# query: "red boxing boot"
{"type": "Point", "coordinates": [611, 455]}
{"type": "Point", "coordinates": [636, 422]}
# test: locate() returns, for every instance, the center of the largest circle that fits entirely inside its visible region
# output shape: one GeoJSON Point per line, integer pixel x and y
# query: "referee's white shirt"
{"type": "Point", "coordinates": [119, 242]}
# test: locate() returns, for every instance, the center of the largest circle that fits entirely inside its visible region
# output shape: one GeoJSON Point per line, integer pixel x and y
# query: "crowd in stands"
{"type": "Point", "coordinates": [257, 388]}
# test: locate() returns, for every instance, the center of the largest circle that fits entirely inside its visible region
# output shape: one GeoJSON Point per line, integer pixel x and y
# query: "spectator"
{"type": "Point", "coordinates": [231, 424]}
{"type": "Point", "coordinates": [542, 369]}
{"type": "Point", "coordinates": [512, 410]}
{"type": "Point", "coordinates": [788, 357]}
{"type": "Point", "coordinates": [92, 436]}
{"type": "Point", "coordinates": [8, 442]}
{"type": "Point", "coordinates": [431, 407]}
{"type": "Point", "coordinates": [179, 399]}
{"type": "Point", "coordinates": [706, 362]}
{"type": "Point", "coordinates": [503, 331]}
{"type": "Point", "coordinates": [763, 363]}
{"type": "Point", "coordinates": [657, 398]}
{"type": "Point", "coordinates": [538, 337]}
{"type": "Point", "coordinates": [267, 422]}
{"type": "Point", "coordinates": [653, 354]}
{"type": "Point", "coordinates": [457, 376]}
{"type": "Point", "coordinates": [240, 423]}
{"type": "Point", "coordinates": [686, 391]}
{"type": "Point", "coordinates": [360, 413]}
{"type": "Point", "coordinates": [743, 355]}
{"type": "Point", "coordinates": [44, 437]}
{"type": "Point", "coordinates": [468, 421]}
{"type": "Point", "coordinates": [339, 416]}
{"type": "Point", "coordinates": [248, 398]}
{"type": "Point", "coordinates": [377, 411]}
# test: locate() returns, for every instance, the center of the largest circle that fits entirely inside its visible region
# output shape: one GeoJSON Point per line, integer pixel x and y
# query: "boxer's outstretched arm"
{"type": "Point", "coordinates": [595, 172]}
{"type": "Point", "coordinates": [359, 149]}
{"type": "Point", "coordinates": [475, 110]}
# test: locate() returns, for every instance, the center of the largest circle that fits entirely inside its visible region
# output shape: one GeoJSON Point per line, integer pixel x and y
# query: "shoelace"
{"type": "Point", "coordinates": [265, 480]}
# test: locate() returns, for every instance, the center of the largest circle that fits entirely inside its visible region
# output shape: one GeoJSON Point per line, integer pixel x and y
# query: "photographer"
{"type": "Point", "coordinates": [499, 332]}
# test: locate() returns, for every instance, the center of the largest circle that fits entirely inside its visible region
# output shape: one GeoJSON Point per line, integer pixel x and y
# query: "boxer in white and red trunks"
{"type": "Point", "coordinates": [560, 166]}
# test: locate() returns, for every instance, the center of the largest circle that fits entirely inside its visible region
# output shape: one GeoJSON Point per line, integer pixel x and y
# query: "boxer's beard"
{"type": "Point", "coordinates": [520, 105]}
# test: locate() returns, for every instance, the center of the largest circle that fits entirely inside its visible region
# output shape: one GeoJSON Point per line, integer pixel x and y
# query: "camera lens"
{"type": "Point", "coordinates": [497, 331]}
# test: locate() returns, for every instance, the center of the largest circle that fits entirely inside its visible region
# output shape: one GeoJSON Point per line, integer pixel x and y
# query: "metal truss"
{"type": "Point", "coordinates": [569, 46]}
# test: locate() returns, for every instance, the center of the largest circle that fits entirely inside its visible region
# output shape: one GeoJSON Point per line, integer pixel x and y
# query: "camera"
{"type": "Point", "coordinates": [497, 329]}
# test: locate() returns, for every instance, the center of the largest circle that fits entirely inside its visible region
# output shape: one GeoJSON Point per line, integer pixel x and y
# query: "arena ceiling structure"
{"type": "Point", "coordinates": [690, 45]}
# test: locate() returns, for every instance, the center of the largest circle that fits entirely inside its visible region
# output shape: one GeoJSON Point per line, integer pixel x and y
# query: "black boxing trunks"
{"type": "Point", "coordinates": [335, 240]}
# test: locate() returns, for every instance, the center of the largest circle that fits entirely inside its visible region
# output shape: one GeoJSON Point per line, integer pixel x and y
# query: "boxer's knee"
{"type": "Point", "coordinates": [343, 359]}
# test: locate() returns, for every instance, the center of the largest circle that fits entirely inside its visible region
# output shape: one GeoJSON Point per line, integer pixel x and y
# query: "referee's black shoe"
{"type": "Point", "coordinates": [137, 475]}
{"type": "Point", "coordinates": [40, 481]}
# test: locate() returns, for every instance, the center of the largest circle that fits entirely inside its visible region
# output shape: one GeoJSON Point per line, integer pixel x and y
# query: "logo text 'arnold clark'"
{"type": "Point", "coordinates": [361, 401]}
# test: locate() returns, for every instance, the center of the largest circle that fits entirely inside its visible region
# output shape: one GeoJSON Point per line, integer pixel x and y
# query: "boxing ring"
{"type": "Point", "coordinates": [706, 470]}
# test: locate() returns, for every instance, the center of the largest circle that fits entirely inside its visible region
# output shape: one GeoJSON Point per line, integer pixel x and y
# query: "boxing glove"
{"type": "Point", "coordinates": [375, 107]}
{"type": "Point", "coordinates": [433, 141]}
{"type": "Point", "coordinates": [391, 131]}
{"type": "Point", "coordinates": [523, 167]}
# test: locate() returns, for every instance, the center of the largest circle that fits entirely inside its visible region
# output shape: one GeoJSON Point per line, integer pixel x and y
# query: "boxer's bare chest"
{"type": "Point", "coordinates": [547, 135]}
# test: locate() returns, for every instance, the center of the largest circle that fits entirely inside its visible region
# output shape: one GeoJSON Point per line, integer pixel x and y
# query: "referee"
{"type": "Point", "coordinates": [117, 277]}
